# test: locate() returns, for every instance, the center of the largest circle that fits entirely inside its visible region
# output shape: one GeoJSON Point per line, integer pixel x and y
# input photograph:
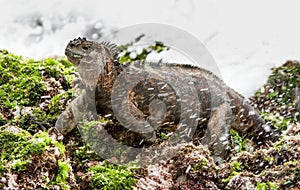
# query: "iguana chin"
{"type": "Point", "coordinates": [155, 101]}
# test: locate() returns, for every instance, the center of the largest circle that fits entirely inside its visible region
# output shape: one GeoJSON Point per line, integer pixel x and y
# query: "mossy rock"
{"type": "Point", "coordinates": [33, 161]}
{"type": "Point", "coordinates": [33, 93]}
{"type": "Point", "coordinates": [276, 100]}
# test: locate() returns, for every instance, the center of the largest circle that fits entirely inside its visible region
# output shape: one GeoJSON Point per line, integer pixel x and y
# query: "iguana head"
{"type": "Point", "coordinates": [91, 58]}
{"type": "Point", "coordinates": [81, 48]}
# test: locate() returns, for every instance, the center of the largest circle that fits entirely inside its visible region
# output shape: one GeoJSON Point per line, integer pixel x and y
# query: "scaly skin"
{"type": "Point", "coordinates": [156, 104]}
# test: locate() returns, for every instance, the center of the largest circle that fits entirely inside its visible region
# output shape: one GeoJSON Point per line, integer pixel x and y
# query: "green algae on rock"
{"type": "Point", "coordinates": [33, 93]}
{"type": "Point", "coordinates": [35, 159]}
{"type": "Point", "coordinates": [276, 99]}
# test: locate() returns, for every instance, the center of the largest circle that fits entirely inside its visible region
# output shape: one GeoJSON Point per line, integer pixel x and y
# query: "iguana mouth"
{"type": "Point", "coordinates": [70, 53]}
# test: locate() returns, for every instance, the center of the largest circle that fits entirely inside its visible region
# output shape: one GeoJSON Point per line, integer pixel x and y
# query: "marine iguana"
{"type": "Point", "coordinates": [150, 98]}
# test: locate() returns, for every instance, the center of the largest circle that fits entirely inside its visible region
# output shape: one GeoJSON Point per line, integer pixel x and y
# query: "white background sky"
{"type": "Point", "coordinates": [246, 38]}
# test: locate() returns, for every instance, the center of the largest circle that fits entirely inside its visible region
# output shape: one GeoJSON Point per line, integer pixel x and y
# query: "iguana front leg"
{"type": "Point", "coordinates": [80, 110]}
{"type": "Point", "coordinates": [66, 121]}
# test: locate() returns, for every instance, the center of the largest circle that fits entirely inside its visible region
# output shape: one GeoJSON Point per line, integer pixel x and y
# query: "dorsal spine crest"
{"type": "Point", "coordinates": [113, 49]}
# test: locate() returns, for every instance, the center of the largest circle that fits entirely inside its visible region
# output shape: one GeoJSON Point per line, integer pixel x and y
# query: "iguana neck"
{"type": "Point", "coordinates": [105, 84]}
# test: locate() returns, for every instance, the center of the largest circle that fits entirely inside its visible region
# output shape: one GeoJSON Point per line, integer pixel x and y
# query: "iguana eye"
{"type": "Point", "coordinates": [85, 47]}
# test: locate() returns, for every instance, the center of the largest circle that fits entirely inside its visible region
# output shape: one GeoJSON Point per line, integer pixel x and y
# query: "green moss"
{"type": "Point", "coordinates": [56, 105]}
{"type": "Point", "coordinates": [289, 75]}
{"type": "Point", "coordinates": [238, 142]}
{"type": "Point", "coordinates": [22, 80]}
{"type": "Point", "coordinates": [81, 157]}
{"type": "Point", "coordinates": [276, 98]}
{"type": "Point", "coordinates": [236, 168]}
{"type": "Point", "coordinates": [164, 136]}
{"type": "Point", "coordinates": [279, 122]}
{"type": "Point", "coordinates": [109, 176]}
{"type": "Point", "coordinates": [280, 145]}
{"type": "Point", "coordinates": [20, 165]}
{"type": "Point", "coordinates": [291, 162]}
{"type": "Point", "coordinates": [60, 146]}
{"type": "Point", "coordinates": [16, 87]}
{"type": "Point", "coordinates": [266, 186]}
{"type": "Point", "coordinates": [23, 83]}
{"type": "Point", "coordinates": [232, 174]}
{"type": "Point", "coordinates": [203, 163]}
{"type": "Point", "coordinates": [18, 149]}
{"type": "Point", "coordinates": [62, 175]}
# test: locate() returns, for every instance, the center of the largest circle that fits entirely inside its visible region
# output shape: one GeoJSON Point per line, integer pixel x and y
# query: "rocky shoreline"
{"type": "Point", "coordinates": [34, 93]}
